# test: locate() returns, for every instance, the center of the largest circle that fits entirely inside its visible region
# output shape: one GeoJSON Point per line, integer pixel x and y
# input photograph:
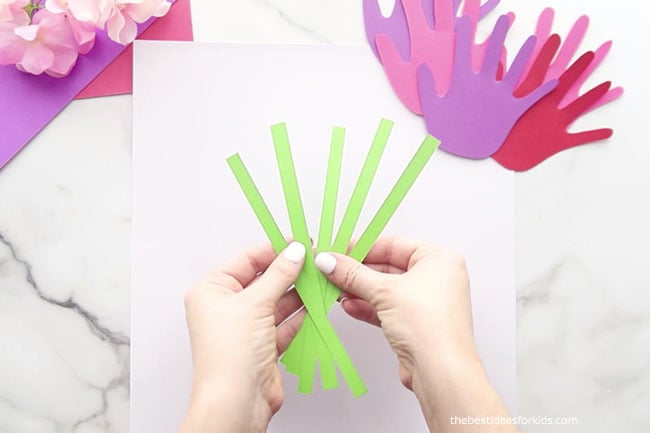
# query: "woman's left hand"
{"type": "Point", "coordinates": [237, 320]}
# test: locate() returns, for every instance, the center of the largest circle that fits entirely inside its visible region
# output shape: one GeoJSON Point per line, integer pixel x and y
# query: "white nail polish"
{"type": "Point", "coordinates": [325, 262]}
{"type": "Point", "coordinates": [295, 252]}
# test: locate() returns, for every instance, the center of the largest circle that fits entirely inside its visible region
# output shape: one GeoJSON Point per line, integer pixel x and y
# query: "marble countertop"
{"type": "Point", "coordinates": [583, 255]}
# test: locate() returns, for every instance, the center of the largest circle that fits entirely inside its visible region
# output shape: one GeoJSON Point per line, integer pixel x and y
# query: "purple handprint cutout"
{"type": "Point", "coordinates": [420, 31]}
{"type": "Point", "coordinates": [474, 118]}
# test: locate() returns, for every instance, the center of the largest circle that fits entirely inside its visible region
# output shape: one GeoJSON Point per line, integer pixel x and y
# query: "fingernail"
{"type": "Point", "coordinates": [343, 299]}
{"type": "Point", "coordinates": [325, 262]}
{"type": "Point", "coordinates": [295, 252]}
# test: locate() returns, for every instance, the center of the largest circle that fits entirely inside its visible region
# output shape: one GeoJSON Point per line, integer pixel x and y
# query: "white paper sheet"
{"type": "Point", "coordinates": [196, 104]}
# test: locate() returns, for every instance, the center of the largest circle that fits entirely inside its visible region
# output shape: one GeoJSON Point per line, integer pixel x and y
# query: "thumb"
{"type": "Point", "coordinates": [281, 273]}
{"type": "Point", "coordinates": [349, 275]}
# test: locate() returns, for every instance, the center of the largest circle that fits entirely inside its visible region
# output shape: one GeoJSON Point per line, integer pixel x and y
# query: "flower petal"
{"type": "Point", "coordinates": [27, 33]}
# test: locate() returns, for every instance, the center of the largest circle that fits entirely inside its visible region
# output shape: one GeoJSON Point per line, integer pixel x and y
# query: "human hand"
{"type": "Point", "coordinates": [240, 318]}
{"type": "Point", "coordinates": [417, 293]}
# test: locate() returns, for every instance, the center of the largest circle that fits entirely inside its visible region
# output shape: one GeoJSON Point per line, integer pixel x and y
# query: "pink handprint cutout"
{"type": "Point", "coordinates": [475, 116]}
{"type": "Point", "coordinates": [542, 131]}
{"type": "Point", "coordinates": [420, 31]}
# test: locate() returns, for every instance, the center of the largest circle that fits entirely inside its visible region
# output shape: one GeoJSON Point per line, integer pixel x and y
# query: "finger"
{"type": "Point", "coordinates": [360, 310]}
{"type": "Point", "coordinates": [610, 96]}
{"type": "Point", "coordinates": [590, 136]}
{"type": "Point", "coordinates": [571, 75]}
{"type": "Point", "coordinates": [444, 15]}
{"type": "Point", "coordinates": [393, 250]}
{"type": "Point", "coordinates": [516, 70]}
{"type": "Point", "coordinates": [569, 48]}
{"type": "Point", "coordinates": [488, 7]}
{"type": "Point", "coordinates": [542, 32]}
{"type": "Point", "coordinates": [534, 77]}
{"type": "Point", "coordinates": [544, 24]}
{"type": "Point", "coordinates": [287, 330]}
{"type": "Point", "coordinates": [385, 268]}
{"type": "Point", "coordinates": [584, 102]}
{"type": "Point", "coordinates": [350, 275]}
{"type": "Point", "coordinates": [463, 49]}
{"type": "Point", "coordinates": [599, 55]}
{"type": "Point", "coordinates": [244, 268]}
{"type": "Point", "coordinates": [280, 274]}
{"type": "Point", "coordinates": [288, 304]}
{"type": "Point", "coordinates": [495, 46]}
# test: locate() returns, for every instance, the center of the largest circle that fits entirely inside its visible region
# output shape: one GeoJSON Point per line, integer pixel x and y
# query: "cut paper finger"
{"type": "Point", "coordinates": [543, 130]}
{"type": "Point", "coordinates": [473, 119]}
{"type": "Point", "coordinates": [562, 58]}
{"type": "Point", "coordinates": [574, 91]}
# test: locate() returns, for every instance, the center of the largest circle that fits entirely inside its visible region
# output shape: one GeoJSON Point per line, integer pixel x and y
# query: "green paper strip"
{"type": "Point", "coordinates": [310, 278]}
{"type": "Point", "coordinates": [331, 190]}
{"type": "Point", "coordinates": [322, 356]}
{"type": "Point", "coordinates": [358, 198]}
{"type": "Point", "coordinates": [256, 201]}
{"type": "Point", "coordinates": [395, 198]}
{"type": "Point", "coordinates": [295, 210]}
{"type": "Point", "coordinates": [328, 211]}
{"type": "Point", "coordinates": [389, 206]}
{"type": "Point", "coordinates": [292, 358]}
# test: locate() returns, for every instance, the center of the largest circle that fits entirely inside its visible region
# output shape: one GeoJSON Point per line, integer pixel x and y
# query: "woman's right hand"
{"type": "Point", "coordinates": [419, 295]}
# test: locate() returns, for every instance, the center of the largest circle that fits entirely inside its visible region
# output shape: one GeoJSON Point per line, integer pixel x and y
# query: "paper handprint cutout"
{"type": "Point", "coordinates": [543, 130]}
{"type": "Point", "coordinates": [473, 119]}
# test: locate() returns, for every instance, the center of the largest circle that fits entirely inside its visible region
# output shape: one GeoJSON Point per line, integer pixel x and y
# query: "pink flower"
{"type": "Point", "coordinates": [14, 11]}
{"type": "Point", "coordinates": [95, 12]}
{"type": "Point", "coordinates": [121, 24]}
{"type": "Point", "coordinates": [50, 44]}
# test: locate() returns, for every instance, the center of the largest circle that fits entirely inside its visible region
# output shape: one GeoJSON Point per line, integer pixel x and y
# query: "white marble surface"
{"type": "Point", "coordinates": [583, 237]}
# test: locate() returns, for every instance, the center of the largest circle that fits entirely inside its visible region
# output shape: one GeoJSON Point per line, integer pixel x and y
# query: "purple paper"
{"type": "Point", "coordinates": [474, 118]}
{"type": "Point", "coordinates": [29, 102]}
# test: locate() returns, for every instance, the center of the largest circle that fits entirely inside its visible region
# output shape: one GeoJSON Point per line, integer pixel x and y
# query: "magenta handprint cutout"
{"type": "Point", "coordinates": [473, 119]}
{"type": "Point", "coordinates": [543, 130]}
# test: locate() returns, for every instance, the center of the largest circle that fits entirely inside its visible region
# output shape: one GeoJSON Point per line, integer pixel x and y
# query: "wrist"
{"type": "Point", "coordinates": [439, 371]}
{"type": "Point", "coordinates": [220, 406]}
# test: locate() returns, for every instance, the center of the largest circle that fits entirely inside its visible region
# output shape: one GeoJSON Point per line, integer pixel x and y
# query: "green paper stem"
{"type": "Point", "coordinates": [256, 202]}
{"type": "Point", "coordinates": [360, 193]}
{"type": "Point", "coordinates": [358, 198]}
{"type": "Point", "coordinates": [389, 206]}
{"type": "Point", "coordinates": [395, 198]}
{"type": "Point", "coordinates": [310, 278]}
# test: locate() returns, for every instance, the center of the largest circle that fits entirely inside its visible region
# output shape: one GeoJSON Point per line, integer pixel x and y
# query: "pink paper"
{"type": "Point", "coordinates": [30, 102]}
{"type": "Point", "coordinates": [117, 78]}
